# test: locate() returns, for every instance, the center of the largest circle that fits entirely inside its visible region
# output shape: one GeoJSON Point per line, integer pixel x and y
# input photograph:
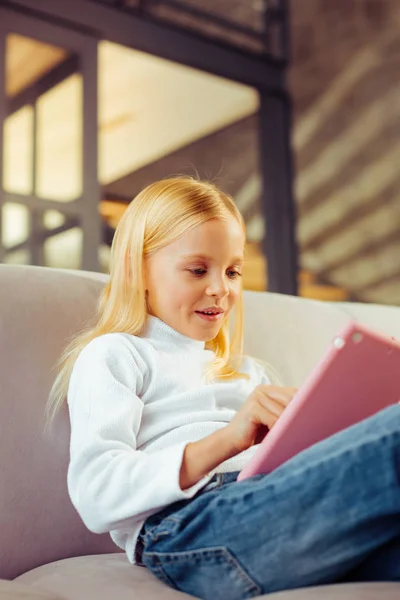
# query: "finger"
{"type": "Point", "coordinates": [264, 418]}
{"type": "Point", "coordinates": [278, 395]}
{"type": "Point", "coordinates": [282, 394]}
{"type": "Point", "coordinates": [277, 389]}
{"type": "Point", "coordinates": [267, 418]}
{"type": "Point", "coordinates": [274, 407]}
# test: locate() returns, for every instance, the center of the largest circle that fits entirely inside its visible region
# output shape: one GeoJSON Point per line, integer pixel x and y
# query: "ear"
{"type": "Point", "coordinates": [145, 274]}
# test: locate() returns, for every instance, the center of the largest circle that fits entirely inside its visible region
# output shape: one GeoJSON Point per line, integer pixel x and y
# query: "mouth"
{"type": "Point", "coordinates": [210, 314]}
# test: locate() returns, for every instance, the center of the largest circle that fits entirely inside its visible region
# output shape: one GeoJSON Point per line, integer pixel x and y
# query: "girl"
{"type": "Point", "coordinates": [165, 411]}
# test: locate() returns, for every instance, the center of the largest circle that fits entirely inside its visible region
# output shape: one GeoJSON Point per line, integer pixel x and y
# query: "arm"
{"type": "Point", "coordinates": [201, 457]}
{"type": "Point", "coordinates": [111, 483]}
{"type": "Point", "coordinates": [261, 409]}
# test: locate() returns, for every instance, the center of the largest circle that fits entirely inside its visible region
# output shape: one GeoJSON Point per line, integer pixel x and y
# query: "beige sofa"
{"type": "Point", "coordinates": [45, 550]}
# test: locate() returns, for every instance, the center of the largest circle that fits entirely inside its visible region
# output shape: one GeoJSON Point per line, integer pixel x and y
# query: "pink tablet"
{"type": "Point", "coordinates": [359, 375]}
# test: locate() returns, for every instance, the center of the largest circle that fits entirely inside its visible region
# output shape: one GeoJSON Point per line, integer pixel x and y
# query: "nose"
{"type": "Point", "coordinates": [218, 287]}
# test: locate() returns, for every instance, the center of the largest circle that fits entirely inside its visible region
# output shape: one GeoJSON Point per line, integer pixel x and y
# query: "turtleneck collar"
{"type": "Point", "coordinates": [158, 330]}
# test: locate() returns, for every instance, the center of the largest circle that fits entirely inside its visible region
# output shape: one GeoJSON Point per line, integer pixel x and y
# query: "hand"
{"type": "Point", "coordinates": [258, 414]}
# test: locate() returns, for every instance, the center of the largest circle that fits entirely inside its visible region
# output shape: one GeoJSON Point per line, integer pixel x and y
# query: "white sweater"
{"type": "Point", "coordinates": [135, 403]}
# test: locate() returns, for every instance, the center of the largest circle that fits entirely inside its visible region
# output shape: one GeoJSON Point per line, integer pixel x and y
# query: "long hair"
{"type": "Point", "coordinates": [159, 215]}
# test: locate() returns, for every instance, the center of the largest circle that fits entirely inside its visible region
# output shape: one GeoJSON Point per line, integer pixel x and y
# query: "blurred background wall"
{"type": "Point", "coordinates": [157, 118]}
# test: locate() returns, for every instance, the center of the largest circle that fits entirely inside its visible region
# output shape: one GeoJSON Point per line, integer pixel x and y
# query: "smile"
{"type": "Point", "coordinates": [209, 316]}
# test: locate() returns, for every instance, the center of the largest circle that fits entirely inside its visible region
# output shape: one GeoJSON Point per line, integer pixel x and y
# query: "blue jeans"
{"type": "Point", "coordinates": [331, 513]}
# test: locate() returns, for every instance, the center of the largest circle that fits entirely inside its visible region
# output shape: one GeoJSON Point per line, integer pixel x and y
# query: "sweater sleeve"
{"type": "Point", "coordinates": [112, 484]}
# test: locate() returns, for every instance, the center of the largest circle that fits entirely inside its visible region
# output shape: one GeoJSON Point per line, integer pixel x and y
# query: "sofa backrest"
{"type": "Point", "coordinates": [292, 333]}
{"type": "Point", "coordinates": [39, 309]}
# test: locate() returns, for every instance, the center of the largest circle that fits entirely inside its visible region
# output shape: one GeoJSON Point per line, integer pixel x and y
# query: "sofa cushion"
{"type": "Point", "coordinates": [111, 576]}
{"type": "Point", "coordinates": [99, 578]}
{"type": "Point", "coordinates": [10, 590]}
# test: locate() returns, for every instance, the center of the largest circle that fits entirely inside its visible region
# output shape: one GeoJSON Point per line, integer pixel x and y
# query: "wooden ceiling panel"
{"type": "Point", "coordinates": [27, 60]}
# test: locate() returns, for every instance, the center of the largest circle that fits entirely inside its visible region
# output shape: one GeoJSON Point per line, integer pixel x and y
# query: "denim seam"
{"type": "Point", "coordinates": [148, 536]}
{"type": "Point", "coordinates": [163, 576]}
{"type": "Point", "coordinates": [175, 557]}
{"type": "Point", "coordinates": [154, 537]}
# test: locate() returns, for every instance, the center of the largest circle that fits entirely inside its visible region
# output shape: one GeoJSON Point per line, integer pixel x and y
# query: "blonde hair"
{"type": "Point", "coordinates": [159, 215]}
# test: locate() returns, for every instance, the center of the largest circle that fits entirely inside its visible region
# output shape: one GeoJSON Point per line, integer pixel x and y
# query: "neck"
{"type": "Point", "coordinates": [156, 329]}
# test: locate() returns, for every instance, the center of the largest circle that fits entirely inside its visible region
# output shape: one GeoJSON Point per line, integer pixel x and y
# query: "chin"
{"type": "Point", "coordinates": [207, 336]}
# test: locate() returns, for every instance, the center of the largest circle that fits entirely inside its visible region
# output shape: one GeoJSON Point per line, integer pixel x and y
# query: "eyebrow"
{"type": "Point", "coordinates": [236, 259]}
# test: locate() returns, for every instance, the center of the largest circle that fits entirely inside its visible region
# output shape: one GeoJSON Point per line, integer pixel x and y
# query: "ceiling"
{"type": "Point", "coordinates": [148, 107]}
{"type": "Point", "coordinates": [27, 60]}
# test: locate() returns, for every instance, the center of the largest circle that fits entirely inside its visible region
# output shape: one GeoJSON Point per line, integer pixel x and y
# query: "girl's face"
{"type": "Point", "coordinates": [197, 274]}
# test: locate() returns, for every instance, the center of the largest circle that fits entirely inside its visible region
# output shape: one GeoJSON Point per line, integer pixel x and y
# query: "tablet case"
{"type": "Point", "coordinates": [358, 376]}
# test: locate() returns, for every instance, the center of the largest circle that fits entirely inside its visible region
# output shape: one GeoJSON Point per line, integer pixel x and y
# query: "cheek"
{"type": "Point", "coordinates": [235, 294]}
{"type": "Point", "coordinates": [181, 294]}
{"type": "Point", "coordinates": [189, 296]}
{"type": "Point", "coordinates": [160, 287]}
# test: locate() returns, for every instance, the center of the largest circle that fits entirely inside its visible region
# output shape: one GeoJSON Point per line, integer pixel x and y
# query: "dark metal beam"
{"type": "Point", "coordinates": [52, 78]}
{"type": "Point", "coordinates": [3, 114]}
{"type": "Point", "coordinates": [36, 247]}
{"type": "Point", "coordinates": [24, 21]}
{"type": "Point", "coordinates": [209, 17]}
{"type": "Point", "coordinates": [159, 39]}
{"type": "Point", "coordinates": [91, 190]}
{"type": "Point", "coordinates": [284, 10]}
{"type": "Point", "coordinates": [277, 200]}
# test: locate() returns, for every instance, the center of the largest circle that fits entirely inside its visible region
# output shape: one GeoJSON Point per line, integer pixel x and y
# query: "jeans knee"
{"type": "Point", "coordinates": [389, 418]}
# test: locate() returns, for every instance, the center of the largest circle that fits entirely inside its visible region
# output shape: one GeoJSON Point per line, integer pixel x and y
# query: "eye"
{"type": "Point", "coordinates": [233, 274]}
{"type": "Point", "coordinates": [197, 272]}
